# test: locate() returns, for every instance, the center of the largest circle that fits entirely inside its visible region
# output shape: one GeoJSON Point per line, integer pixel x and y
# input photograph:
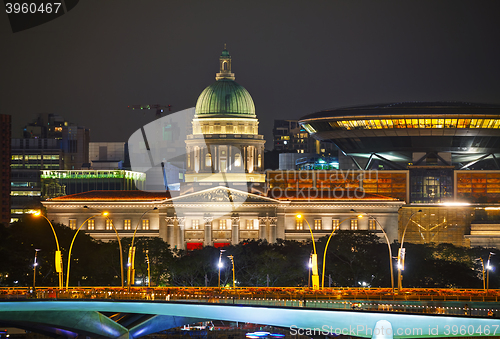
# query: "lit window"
{"type": "Point", "coordinates": [109, 224]}
{"type": "Point", "coordinates": [208, 160]}
{"type": "Point", "coordinates": [354, 224]}
{"type": "Point", "coordinates": [252, 224]}
{"type": "Point", "coordinates": [237, 160]}
{"type": "Point", "coordinates": [259, 160]}
{"type": "Point", "coordinates": [372, 225]}
{"type": "Point", "coordinates": [335, 224]}
{"type": "Point", "coordinates": [126, 224]}
{"type": "Point", "coordinates": [235, 129]}
{"type": "Point", "coordinates": [222, 224]}
{"type": "Point", "coordinates": [91, 224]}
{"type": "Point", "coordinates": [72, 224]}
{"type": "Point", "coordinates": [299, 224]}
{"type": "Point", "coordinates": [195, 224]}
{"type": "Point", "coordinates": [317, 224]}
{"type": "Point", "coordinates": [145, 224]}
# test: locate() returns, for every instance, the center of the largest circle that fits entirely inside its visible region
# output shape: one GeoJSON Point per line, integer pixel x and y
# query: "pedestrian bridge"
{"type": "Point", "coordinates": [121, 313]}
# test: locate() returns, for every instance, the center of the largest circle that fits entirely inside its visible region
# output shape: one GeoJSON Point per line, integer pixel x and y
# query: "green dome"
{"type": "Point", "coordinates": [225, 97]}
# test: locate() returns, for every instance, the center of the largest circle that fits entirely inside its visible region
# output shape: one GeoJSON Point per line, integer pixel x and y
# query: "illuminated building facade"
{"type": "Point", "coordinates": [5, 139]}
{"type": "Point", "coordinates": [220, 216]}
{"type": "Point", "coordinates": [56, 183]}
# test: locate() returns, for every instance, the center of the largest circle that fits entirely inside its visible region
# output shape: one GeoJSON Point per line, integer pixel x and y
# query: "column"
{"type": "Point", "coordinates": [208, 230]}
{"type": "Point", "coordinates": [170, 231]}
{"type": "Point", "coordinates": [180, 232]}
{"type": "Point", "coordinates": [272, 229]}
{"type": "Point", "coordinates": [263, 228]}
{"type": "Point", "coordinates": [235, 230]}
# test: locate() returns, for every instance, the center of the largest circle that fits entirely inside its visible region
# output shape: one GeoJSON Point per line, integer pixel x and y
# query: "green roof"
{"type": "Point", "coordinates": [225, 97]}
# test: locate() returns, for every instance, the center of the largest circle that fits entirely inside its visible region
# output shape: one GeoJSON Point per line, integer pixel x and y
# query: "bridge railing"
{"type": "Point", "coordinates": [451, 302]}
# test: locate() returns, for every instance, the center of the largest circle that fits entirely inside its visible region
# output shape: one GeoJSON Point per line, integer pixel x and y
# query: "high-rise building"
{"type": "Point", "coordinates": [49, 143]}
{"type": "Point", "coordinates": [5, 136]}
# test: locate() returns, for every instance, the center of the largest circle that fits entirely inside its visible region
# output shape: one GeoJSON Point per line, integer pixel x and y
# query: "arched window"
{"type": "Point", "coordinates": [237, 160]}
{"type": "Point", "coordinates": [224, 65]}
{"type": "Point", "coordinates": [208, 160]}
{"type": "Point", "coordinates": [259, 161]}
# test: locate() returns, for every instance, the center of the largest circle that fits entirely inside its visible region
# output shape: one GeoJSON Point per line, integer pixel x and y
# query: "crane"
{"type": "Point", "coordinates": [159, 108]}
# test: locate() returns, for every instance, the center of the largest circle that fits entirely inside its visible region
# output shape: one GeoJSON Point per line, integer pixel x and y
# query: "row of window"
{"type": "Point", "coordinates": [318, 224]}
{"type": "Point", "coordinates": [35, 157]}
{"type": "Point", "coordinates": [127, 224]}
{"type": "Point", "coordinates": [416, 123]}
{"type": "Point", "coordinates": [224, 224]}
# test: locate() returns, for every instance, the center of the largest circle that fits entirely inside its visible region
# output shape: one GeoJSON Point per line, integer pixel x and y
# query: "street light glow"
{"type": "Point", "coordinates": [299, 216]}
{"type": "Point", "coordinates": [105, 213]}
{"type": "Point", "coordinates": [37, 213]}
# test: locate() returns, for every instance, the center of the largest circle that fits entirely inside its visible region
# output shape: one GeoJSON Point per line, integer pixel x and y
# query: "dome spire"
{"type": "Point", "coordinates": [225, 66]}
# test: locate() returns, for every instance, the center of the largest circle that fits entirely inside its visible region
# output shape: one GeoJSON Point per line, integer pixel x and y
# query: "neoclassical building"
{"type": "Point", "coordinates": [224, 199]}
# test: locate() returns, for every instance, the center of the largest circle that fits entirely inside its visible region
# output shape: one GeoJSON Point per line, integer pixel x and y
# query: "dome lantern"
{"type": "Point", "coordinates": [225, 66]}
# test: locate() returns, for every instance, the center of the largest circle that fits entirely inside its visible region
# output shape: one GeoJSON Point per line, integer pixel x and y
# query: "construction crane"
{"type": "Point", "coordinates": [159, 108]}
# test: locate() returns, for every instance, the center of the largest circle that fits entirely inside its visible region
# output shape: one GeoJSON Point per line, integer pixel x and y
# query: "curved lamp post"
{"type": "Point", "coordinates": [131, 251]}
{"type": "Point", "coordinates": [488, 268]}
{"type": "Point", "coordinates": [388, 245]}
{"type": "Point", "coordinates": [220, 264]}
{"type": "Point", "coordinates": [72, 241]}
{"type": "Point", "coordinates": [59, 264]}
{"type": "Point", "coordinates": [324, 254]}
{"type": "Point", "coordinates": [402, 252]}
{"type": "Point", "coordinates": [232, 261]}
{"type": "Point", "coordinates": [315, 276]}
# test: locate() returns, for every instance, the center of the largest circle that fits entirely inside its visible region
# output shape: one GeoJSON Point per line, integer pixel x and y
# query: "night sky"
{"type": "Point", "coordinates": [294, 57]}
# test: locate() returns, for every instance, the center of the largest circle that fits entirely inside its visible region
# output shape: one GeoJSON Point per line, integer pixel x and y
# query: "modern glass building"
{"type": "Point", "coordinates": [60, 182]}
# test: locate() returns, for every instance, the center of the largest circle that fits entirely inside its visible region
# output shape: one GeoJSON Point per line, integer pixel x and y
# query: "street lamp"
{"type": "Point", "coordinates": [149, 271]}
{"type": "Point", "coordinates": [482, 265]}
{"type": "Point", "coordinates": [220, 264]}
{"type": "Point", "coordinates": [72, 241]}
{"type": "Point", "coordinates": [105, 214]}
{"type": "Point", "coordinates": [232, 262]}
{"type": "Point", "coordinates": [315, 276]}
{"type": "Point", "coordinates": [402, 253]}
{"type": "Point", "coordinates": [58, 259]}
{"type": "Point", "coordinates": [35, 264]}
{"type": "Point", "coordinates": [326, 247]}
{"type": "Point", "coordinates": [131, 252]}
{"type": "Point", "coordinates": [309, 268]}
{"type": "Point", "coordinates": [388, 244]}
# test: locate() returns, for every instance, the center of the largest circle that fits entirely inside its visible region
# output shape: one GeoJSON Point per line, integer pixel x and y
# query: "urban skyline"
{"type": "Point", "coordinates": [295, 59]}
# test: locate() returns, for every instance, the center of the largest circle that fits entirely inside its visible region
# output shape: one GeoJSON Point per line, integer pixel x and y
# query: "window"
{"type": "Point", "coordinates": [91, 225]}
{"type": "Point", "coordinates": [109, 224]}
{"type": "Point", "coordinates": [317, 224]}
{"type": "Point", "coordinates": [237, 160]}
{"type": "Point", "coordinates": [299, 224]}
{"type": "Point", "coordinates": [72, 224]}
{"type": "Point", "coordinates": [252, 224]}
{"type": "Point", "coordinates": [235, 129]}
{"type": "Point", "coordinates": [372, 224]}
{"type": "Point", "coordinates": [335, 224]}
{"type": "Point", "coordinates": [208, 160]}
{"type": "Point", "coordinates": [126, 224]}
{"type": "Point", "coordinates": [222, 224]}
{"type": "Point", "coordinates": [145, 224]}
{"type": "Point", "coordinates": [195, 224]}
{"type": "Point", "coordinates": [259, 160]}
{"type": "Point", "coordinates": [354, 224]}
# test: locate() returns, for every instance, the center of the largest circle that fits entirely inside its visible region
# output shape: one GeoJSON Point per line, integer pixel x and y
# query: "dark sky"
{"type": "Point", "coordinates": [294, 57]}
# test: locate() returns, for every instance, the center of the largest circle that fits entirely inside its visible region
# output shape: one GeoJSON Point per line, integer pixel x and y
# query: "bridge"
{"type": "Point", "coordinates": [369, 313]}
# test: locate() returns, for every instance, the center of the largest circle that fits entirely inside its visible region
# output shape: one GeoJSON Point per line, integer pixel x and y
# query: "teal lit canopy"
{"type": "Point", "coordinates": [225, 97]}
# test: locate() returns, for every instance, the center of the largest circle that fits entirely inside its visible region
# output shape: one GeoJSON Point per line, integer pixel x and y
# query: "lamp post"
{"type": "Point", "coordinates": [131, 252]}
{"type": "Point", "coordinates": [324, 254]}
{"type": "Point", "coordinates": [105, 214]}
{"type": "Point", "coordinates": [58, 258]}
{"type": "Point", "coordinates": [309, 268]}
{"type": "Point", "coordinates": [388, 245]}
{"type": "Point", "coordinates": [35, 264]}
{"type": "Point", "coordinates": [402, 253]}
{"type": "Point", "coordinates": [315, 276]}
{"type": "Point", "coordinates": [488, 268]}
{"type": "Point", "coordinates": [149, 271]}
{"type": "Point", "coordinates": [232, 262]}
{"type": "Point", "coordinates": [220, 264]}
{"type": "Point", "coordinates": [72, 241]}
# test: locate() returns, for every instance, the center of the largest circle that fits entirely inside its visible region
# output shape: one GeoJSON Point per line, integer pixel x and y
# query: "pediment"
{"type": "Point", "coordinates": [222, 194]}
